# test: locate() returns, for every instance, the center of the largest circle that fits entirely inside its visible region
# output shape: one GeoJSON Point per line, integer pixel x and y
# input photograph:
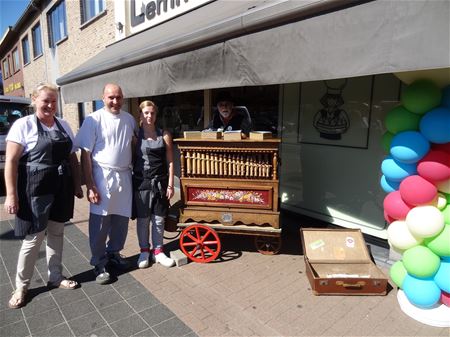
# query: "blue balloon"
{"type": "Point", "coordinates": [446, 97]}
{"type": "Point", "coordinates": [409, 146]}
{"type": "Point", "coordinates": [435, 125]}
{"type": "Point", "coordinates": [388, 185]}
{"type": "Point", "coordinates": [397, 171]}
{"type": "Point", "coordinates": [442, 277]}
{"type": "Point", "coordinates": [423, 293]}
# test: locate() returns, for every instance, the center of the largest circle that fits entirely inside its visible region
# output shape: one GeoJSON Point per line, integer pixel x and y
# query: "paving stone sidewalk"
{"type": "Point", "coordinates": [243, 293]}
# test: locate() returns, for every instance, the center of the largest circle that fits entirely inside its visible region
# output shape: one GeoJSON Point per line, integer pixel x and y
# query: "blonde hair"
{"type": "Point", "coordinates": [148, 103]}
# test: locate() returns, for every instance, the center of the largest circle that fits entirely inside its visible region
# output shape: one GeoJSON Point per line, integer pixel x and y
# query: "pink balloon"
{"type": "Point", "coordinates": [416, 191]}
{"type": "Point", "coordinates": [445, 298]}
{"type": "Point", "coordinates": [387, 217]}
{"type": "Point", "coordinates": [435, 166]}
{"type": "Point", "coordinates": [395, 207]}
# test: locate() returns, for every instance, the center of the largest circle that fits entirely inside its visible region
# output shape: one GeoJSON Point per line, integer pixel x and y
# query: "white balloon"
{"type": "Point", "coordinates": [400, 237]}
{"type": "Point", "coordinates": [425, 221]}
{"type": "Point", "coordinates": [441, 201]}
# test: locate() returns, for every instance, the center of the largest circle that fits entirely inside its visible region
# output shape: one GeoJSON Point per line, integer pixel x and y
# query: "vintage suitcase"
{"type": "Point", "coordinates": [338, 263]}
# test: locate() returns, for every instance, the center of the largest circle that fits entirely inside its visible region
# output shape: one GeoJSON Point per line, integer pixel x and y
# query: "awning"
{"type": "Point", "coordinates": [245, 43]}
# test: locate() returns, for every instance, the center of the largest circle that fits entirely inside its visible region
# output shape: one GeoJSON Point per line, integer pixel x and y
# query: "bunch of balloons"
{"type": "Point", "coordinates": [416, 176]}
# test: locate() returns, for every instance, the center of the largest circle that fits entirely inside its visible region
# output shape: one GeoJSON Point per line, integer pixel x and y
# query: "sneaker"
{"type": "Point", "coordinates": [143, 260]}
{"type": "Point", "coordinates": [101, 275]}
{"type": "Point", "coordinates": [117, 261]}
{"type": "Point", "coordinates": [162, 259]}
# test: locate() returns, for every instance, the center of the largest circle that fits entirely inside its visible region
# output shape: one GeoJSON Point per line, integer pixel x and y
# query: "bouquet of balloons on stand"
{"type": "Point", "coordinates": [416, 176]}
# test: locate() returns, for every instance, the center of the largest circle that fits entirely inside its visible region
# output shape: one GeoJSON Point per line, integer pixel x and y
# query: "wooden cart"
{"type": "Point", "coordinates": [228, 187]}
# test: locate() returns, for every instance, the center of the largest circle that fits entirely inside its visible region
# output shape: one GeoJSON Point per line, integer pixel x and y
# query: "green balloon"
{"type": "Point", "coordinates": [398, 273]}
{"type": "Point", "coordinates": [421, 262]}
{"type": "Point", "coordinates": [440, 244]}
{"type": "Point", "coordinates": [446, 213]}
{"type": "Point", "coordinates": [421, 96]}
{"type": "Point", "coordinates": [386, 141]}
{"type": "Point", "coordinates": [400, 119]}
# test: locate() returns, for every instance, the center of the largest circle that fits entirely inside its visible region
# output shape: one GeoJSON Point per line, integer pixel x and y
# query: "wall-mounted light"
{"type": "Point", "coordinates": [119, 26]}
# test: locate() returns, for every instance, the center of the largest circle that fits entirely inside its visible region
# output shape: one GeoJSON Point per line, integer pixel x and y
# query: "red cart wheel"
{"type": "Point", "coordinates": [268, 245]}
{"type": "Point", "coordinates": [200, 243]}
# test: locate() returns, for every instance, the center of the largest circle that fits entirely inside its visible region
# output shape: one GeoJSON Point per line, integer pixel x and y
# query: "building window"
{"type": "Point", "coordinates": [98, 104]}
{"type": "Point", "coordinates": [57, 26]}
{"type": "Point", "coordinates": [5, 64]}
{"type": "Point", "coordinates": [91, 8]}
{"type": "Point", "coordinates": [26, 50]}
{"type": "Point", "coordinates": [37, 41]}
{"type": "Point", "coordinates": [16, 60]}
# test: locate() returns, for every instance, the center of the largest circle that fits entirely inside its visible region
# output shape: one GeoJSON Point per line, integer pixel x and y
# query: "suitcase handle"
{"type": "Point", "coordinates": [358, 284]}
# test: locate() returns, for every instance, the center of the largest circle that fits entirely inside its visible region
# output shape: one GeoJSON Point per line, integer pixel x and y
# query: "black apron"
{"type": "Point", "coordinates": [44, 184]}
{"type": "Point", "coordinates": [150, 178]}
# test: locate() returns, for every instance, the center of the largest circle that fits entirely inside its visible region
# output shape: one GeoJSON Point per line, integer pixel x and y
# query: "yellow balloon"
{"type": "Point", "coordinates": [441, 77]}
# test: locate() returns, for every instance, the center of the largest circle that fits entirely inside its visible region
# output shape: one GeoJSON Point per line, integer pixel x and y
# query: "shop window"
{"type": "Point", "coordinates": [16, 60]}
{"type": "Point", "coordinates": [37, 40]}
{"type": "Point", "coordinates": [57, 25]}
{"type": "Point", "coordinates": [26, 50]}
{"type": "Point", "coordinates": [5, 66]}
{"type": "Point", "coordinates": [98, 104]}
{"type": "Point", "coordinates": [91, 8]}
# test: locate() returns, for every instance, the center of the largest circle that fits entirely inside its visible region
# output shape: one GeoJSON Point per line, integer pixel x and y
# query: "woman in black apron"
{"type": "Point", "coordinates": [41, 177]}
{"type": "Point", "coordinates": [152, 186]}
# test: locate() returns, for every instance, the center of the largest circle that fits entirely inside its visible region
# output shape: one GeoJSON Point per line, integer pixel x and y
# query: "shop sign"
{"type": "Point", "coordinates": [148, 13]}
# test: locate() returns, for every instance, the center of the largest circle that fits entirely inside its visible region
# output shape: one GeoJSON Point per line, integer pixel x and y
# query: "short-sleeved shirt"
{"type": "Point", "coordinates": [24, 131]}
{"type": "Point", "coordinates": [108, 137]}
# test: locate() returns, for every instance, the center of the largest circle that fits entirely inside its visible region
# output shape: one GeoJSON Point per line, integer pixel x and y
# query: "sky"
{"type": "Point", "coordinates": [10, 12]}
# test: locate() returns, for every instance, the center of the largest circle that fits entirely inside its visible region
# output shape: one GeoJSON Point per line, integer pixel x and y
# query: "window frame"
{"type": "Point", "coordinates": [34, 39]}
{"type": "Point", "coordinates": [25, 56]}
{"type": "Point", "coordinates": [6, 71]}
{"type": "Point", "coordinates": [98, 10]}
{"type": "Point", "coordinates": [15, 57]}
{"type": "Point", "coordinates": [57, 24]}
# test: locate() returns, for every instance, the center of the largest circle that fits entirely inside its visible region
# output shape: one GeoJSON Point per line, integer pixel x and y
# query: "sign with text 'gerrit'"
{"type": "Point", "coordinates": [148, 13]}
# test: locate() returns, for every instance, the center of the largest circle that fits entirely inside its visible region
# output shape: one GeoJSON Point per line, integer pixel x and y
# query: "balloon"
{"type": "Point", "coordinates": [441, 202]}
{"type": "Point", "coordinates": [425, 221]}
{"type": "Point", "coordinates": [442, 277]}
{"type": "Point", "coordinates": [416, 191]}
{"type": "Point", "coordinates": [421, 96]}
{"type": "Point", "coordinates": [423, 293]}
{"type": "Point", "coordinates": [398, 273]}
{"type": "Point", "coordinates": [443, 186]}
{"type": "Point", "coordinates": [388, 185]}
{"type": "Point", "coordinates": [386, 141]}
{"type": "Point", "coordinates": [395, 207]}
{"type": "Point", "coordinates": [409, 146]}
{"type": "Point", "coordinates": [397, 171]}
{"type": "Point", "coordinates": [387, 217]}
{"type": "Point", "coordinates": [441, 147]}
{"type": "Point", "coordinates": [446, 97]}
{"type": "Point", "coordinates": [400, 237]}
{"type": "Point", "coordinates": [446, 214]}
{"type": "Point", "coordinates": [435, 166]}
{"type": "Point", "coordinates": [399, 119]}
{"type": "Point", "coordinates": [435, 125]}
{"type": "Point", "coordinates": [421, 262]}
{"type": "Point", "coordinates": [440, 243]}
{"type": "Point", "coordinates": [445, 298]}
{"type": "Point", "coordinates": [439, 76]}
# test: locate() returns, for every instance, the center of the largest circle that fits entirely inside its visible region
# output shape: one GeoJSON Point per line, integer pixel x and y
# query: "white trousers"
{"type": "Point", "coordinates": [29, 253]}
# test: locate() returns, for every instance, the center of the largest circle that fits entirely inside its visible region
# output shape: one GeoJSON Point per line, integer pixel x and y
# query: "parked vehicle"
{"type": "Point", "coordinates": [11, 109]}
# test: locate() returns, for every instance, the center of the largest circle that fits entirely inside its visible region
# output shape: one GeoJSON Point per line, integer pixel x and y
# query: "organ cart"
{"type": "Point", "coordinates": [228, 186]}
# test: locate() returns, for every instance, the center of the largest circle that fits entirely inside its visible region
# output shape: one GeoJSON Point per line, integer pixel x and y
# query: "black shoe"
{"type": "Point", "coordinates": [101, 275]}
{"type": "Point", "coordinates": [117, 261]}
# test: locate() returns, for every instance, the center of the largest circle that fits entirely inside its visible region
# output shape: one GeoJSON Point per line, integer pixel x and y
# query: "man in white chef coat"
{"type": "Point", "coordinates": [105, 139]}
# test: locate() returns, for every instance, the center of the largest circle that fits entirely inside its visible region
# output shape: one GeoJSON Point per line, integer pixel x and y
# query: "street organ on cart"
{"type": "Point", "coordinates": [228, 186]}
